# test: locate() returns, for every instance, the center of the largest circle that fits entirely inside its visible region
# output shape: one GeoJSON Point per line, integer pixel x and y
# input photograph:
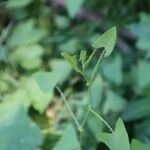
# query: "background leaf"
{"type": "Point", "coordinates": [136, 145]}
{"type": "Point", "coordinates": [68, 140]}
{"type": "Point", "coordinates": [47, 80]}
{"type": "Point", "coordinates": [73, 7]}
{"type": "Point", "coordinates": [113, 103]}
{"type": "Point", "coordinates": [112, 70]}
{"type": "Point", "coordinates": [17, 4]}
{"type": "Point", "coordinates": [57, 65]}
{"type": "Point", "coordinates": [137, 110]}
{"type": "Point", "coordinates": [38, 99]}
{"type": "Point", "coordinates": [143, 78]}
{"type": "Point", "coordinates": [25, 33]}
{"type": "Point", "coordinates": [14, 119]}
{"type": "Point", "coordinates": [28, 57]}
{"type": "Point", "coordinates": [96, 91]}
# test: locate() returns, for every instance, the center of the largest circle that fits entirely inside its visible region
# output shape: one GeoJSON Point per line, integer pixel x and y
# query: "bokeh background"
{"type": "Point", "coordinates": [33, 33]}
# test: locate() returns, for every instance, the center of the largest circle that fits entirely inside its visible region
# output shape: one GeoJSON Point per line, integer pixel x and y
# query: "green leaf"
{"type": "Point", "coordinates": [57, 65]}
{"type": "Point", "coordinates": [17, 131]}
{"type": "Point", "coordinates": [94, 124]}
{"type": "Point", "coordinates": [137, 110]}
{"type": "Point", "coordinates": [96, 91]}
{"type": "Point", "coordinates": [141, 31]}
{"type": "Point", "coordinates": [107, 41]}
{"type": "Point", "coordinates": [69, 140]}
{"type": "Point", "coordinates": [113, 103]}
{"type": "Point", "coordinates": [62, 22]}
{"type": "Point", "coordinates": [73, 7]}
{"type": "Point", "coordinates": [28, 57]}
{"type": "Point", "coordinates": [112, 70]}
{"type": "Point", "coordinates": [143, 77]}
{"type": "Point", "coordinates": [3, 54]}
{"type": "Point", "coordinates": [83, 57]}
{"type": "Point", "coordinates": [19, 95]}
{"type": "Point", "coordinates": [117, 140]}
{"type": "Point", "coordinates": [72, 61]}
{"type": "Point", "coordinates": [137, 145]}
{"type": "Point", "coordinates": [25, 33]}
{"type": "Point", "coordinates": [37, 98]}
{"type": "Point", "coordinates": [47, 80]}
{"type": "Point", "coordinates": [17, 4]}
{"type": "Point", "coordinates": [69, 46]}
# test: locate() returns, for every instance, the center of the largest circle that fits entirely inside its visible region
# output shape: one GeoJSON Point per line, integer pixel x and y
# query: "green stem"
{"type": "Point", "coordinates": [99, 117]}
{"type": "Point", "coordinates": [89, 59]}
{"type": "Point", "coordinates": [88, 106]}
{"type": "Point", "coordinates": [84, 120]}
{"type": "Point", "coordinates": [69, 108]}
{"type": "Point", "coordinates": [97, 65]}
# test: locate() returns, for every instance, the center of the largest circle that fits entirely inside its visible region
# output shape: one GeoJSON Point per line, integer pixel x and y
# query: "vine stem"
{"type": "Point", "coordinates": [89, 83]}
{"type": "Point", "coordinates": [69, 108]}
{"type": "Point", "coordinates": [89, 59]}
{"type": "Point", "coordinates": [99, 117]}
{"type": "Point", "coordinates": [97, 64]}
{"type": "Point", "coordinates": [84, 120]}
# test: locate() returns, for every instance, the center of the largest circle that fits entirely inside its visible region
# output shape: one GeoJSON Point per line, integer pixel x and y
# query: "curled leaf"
{"type": "Point", "coordinates": [72, 61]}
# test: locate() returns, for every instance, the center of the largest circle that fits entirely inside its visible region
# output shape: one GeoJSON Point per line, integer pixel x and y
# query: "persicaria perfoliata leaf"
{"type": "Point", "coordinates": [106, 41]}
{"type": "Point", "coordinates": [118, 140]}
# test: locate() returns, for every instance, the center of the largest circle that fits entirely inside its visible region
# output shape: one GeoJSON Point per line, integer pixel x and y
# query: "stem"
{"type": "Point", "coordinates": [96, 67]}
{"type": "Point", "coordinates": [88, 106]}
{"type": "Point", "coordinates": [99, 117]}
{"type": "Point", "coordinates": [84, 120]}
{"type": "Point", "coordinates": [69, 108]}
{"type": "Point", "coordinates": [89, 59]}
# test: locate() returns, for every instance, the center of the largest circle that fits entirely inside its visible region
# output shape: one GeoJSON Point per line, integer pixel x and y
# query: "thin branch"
{"type": "Point", "coordinates": [97, 65]}
{"type": "Point", "coordinates": [88, 106]}
{"type": "Point", "coordinates": [84, 120]}
{"type": "Point", "coordinates": [89, 59]}
{"type": "Point", "coordinates": [67, 105]}
{"type": "Point", "coordinates": [99, 117]}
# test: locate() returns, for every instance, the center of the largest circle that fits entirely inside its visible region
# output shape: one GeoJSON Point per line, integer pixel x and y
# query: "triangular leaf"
{"type": "Point", "coordinates": [47, 80]}
{"type": "Point", "coordinates": [17, 131]}
{"type": "Point", "coordinates": [73, 6]}
{"type": "Point", "coordinates": [69, 140]}
{"type": "Point", "coordinates": [107, 41]}
{"type": "Point", "coordinates": [118, 139]}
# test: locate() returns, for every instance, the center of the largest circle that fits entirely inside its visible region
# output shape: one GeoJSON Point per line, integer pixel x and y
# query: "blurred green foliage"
{"type": "Point", "coordinates": [33, 33]}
